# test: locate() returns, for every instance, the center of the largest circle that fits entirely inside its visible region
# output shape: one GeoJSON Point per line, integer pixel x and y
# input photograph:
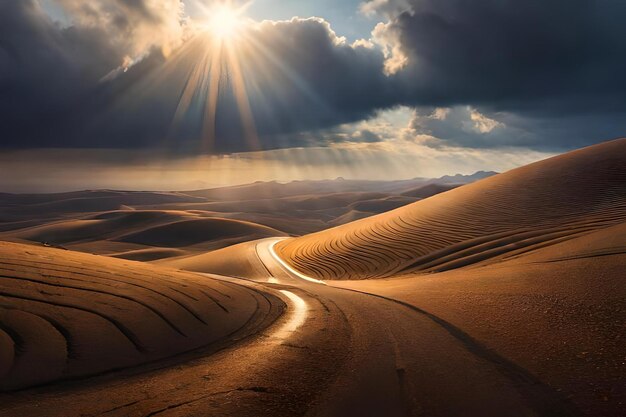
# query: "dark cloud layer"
{"type": "Point", "coordinates": [551, 73]}
{"type": "Point", "coordinates": [302, 77]}
{"type": "Point", "coordinates": [566, 54]}
{"type": "Point", "coordinates": [43, 69]}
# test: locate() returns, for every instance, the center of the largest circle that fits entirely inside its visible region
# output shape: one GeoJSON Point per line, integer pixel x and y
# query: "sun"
{"type": "Point", "coordinates": [225, 22]}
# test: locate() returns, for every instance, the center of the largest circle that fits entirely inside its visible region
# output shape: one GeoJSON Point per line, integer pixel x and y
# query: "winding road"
{"type": "Point", "coordinates": [334, 352]}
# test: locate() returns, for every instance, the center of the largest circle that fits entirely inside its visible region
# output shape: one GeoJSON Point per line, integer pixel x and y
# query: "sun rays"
{"type": "Point", "coordinates": [217, 71]}
{"type": "Point", "coordinates": [230, 87]}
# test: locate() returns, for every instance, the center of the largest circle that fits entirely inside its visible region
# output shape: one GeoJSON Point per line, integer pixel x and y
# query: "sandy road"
{"type": "Point", "coordinates": [335, 352]}
{"type": "Point", "coordinates": [404, 361]}
{"type": "Point", "coordinates": [270, 371]}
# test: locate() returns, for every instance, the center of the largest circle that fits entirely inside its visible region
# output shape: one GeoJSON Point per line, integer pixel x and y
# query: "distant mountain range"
{"type": "Point", "coordinates": [464, 179]}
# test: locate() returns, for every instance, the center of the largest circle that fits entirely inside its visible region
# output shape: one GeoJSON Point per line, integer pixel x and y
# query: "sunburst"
{"type": "Point", "coordinates": [225, 22]}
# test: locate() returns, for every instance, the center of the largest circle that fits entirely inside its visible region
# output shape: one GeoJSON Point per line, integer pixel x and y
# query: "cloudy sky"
{"type": "Point", "coordinates": [173, 94]}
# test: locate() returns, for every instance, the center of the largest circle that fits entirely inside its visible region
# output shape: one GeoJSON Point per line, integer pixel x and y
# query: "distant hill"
{"type": "Point", "coordinates": [148, 225]}
{"type": "Point", "coordinates": [466, 179]}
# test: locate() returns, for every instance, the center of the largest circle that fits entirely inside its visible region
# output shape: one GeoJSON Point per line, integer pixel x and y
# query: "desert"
{"type": "Point", "coordinates": [356, 208]}
{"type": "Point", "coordinates": [511, 285]}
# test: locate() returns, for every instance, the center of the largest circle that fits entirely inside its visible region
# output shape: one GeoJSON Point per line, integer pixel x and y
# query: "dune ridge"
{"type": "Point", "coordinates": [66, 315]}
{"type": "Point", "coordinates": [537, 205]}
{"type": "Point", "coordinates": [143, 235]}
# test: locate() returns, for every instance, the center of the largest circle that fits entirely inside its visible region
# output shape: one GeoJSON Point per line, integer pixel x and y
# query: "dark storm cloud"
{"type": "Point", "coordinates": [306, 79]}
{"type": "Point", "coordinates": [554, 71]}
{"type": "Point", "coordinates": [518, 53]}
{"type": "Point", "coordinates": [51, 76]}
{"type": "Point", "coordinates": [469, 127]}
{"type": "Point", "coordinates": [550, 72]}
{"type": "Point", "coordinates": [302, 78]}
{"type": "Point", "coordinates": [43, 69]}
{"type": "Point", "coordinates": [56, 92]}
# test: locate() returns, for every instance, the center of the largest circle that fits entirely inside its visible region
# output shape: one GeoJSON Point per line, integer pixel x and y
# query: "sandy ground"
{"type": "Point", "coordinates": [555, 314]}
{"type": "Point", "coordinates": [65, 315]}
{"type": "Point", "coordinates": [334, 353]}
{"type": "Point", "coordinates": [558, 313]}
{"type": "Point", "coordinates": [506, 297]}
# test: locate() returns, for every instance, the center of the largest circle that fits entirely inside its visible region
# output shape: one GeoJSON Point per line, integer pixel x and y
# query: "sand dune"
{"type": "Point", "coordinates": [607, 242]}
{"type": "Point", "coordinates": [65, 315]}
{"type": "Point", "coordinates": [108, 225]}
{"type": "Point", "coordinates": [19, 206]}
{"type": "Point", "coordinates": [513, 284]}
{"type": "Point", "coordinates": [270, 190]}
{"type": "Point", "coordinates": [557, 311]}
{"type": "Point", "coordinates": [297, 215]}
{"type": "Point", "coordinates": [143, 235]}
{"type": "Point", "coordinates": [237, 261]}
{"type": "Point", "coordinates": [302, 207]}
{"type": "Point", "coordinates": [292, 204]}
{"type": "Point", "coordinates": [430, 190]}
{"type": "Point", "coordinates": [524, 209]}
{"type": "Point", "coordinates": [351, 216]}
{"type": "Point", "coordinates": [150, 254]}
{"type": "Point", "coordinates": [192, 232]}
{"type": "Point", "coordinates": [291, 223]}
{"type": "Point", "coordinates": [381, 205]}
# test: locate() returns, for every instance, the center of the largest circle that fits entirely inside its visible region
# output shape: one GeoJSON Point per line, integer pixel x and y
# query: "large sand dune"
{"type": "Point", "coordinates": [239, 261]}
{"type": "Point", "coordinates": [66, 315]}
{"type": "Point", "coordinates": [193, 232]}
{"type": "Point", "coordinates": [524, 209]}
{"type": "Point", "coordinates": [558, 312]}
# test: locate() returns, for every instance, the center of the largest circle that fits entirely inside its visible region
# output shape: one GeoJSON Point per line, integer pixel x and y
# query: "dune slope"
{"type": "Point", "coordinates": [143, 235]}
{"type": "Point", "coordinates": [107, 225]}
{"type": "Point", "coordinates": [530, 207]}
{"type": "Point", "coordinates": [192, 232]}
{"type": "Point", "coordinates": [558, 312]}
{"type": "Point", "coordinates": [239, 261]}
{"type": "Point", "coordinates": [66, 315]}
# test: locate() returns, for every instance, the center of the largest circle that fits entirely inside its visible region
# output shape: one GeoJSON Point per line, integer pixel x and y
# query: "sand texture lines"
{"type": "Point", "coordinates": [519, 211]}
{"type": "Point", "coordinates": [67, 315]}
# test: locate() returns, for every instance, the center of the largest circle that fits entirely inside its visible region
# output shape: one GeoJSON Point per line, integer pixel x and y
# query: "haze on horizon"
{"type": "Point", "coordinates": [175, 94]}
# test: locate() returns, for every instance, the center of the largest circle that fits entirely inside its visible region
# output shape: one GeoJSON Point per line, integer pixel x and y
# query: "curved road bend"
{"type": "Point", "coordinates": [404, 361]}
{"type": "Point", "coordinates": [335, 353]}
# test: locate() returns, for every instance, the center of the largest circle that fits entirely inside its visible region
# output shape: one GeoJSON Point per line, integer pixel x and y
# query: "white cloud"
{"type": "Point", "coordinates": [395, 58]}
{"type": "Point", "coordinates": [387, 8]}
{"type": "Point", "coordinates": [133, 27]}
{"type": "Point", "coordinates": [482, 123]}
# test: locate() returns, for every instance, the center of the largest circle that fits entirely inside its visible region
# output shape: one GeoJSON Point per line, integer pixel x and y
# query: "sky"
{"type": "Point", "coordinates": [173, 94]}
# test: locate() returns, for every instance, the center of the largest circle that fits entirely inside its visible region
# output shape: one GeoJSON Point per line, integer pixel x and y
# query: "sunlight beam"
{"type": "Point", "coordinates": [210, 121]}
{"type": "Point", "coordinates": [243, 102]}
